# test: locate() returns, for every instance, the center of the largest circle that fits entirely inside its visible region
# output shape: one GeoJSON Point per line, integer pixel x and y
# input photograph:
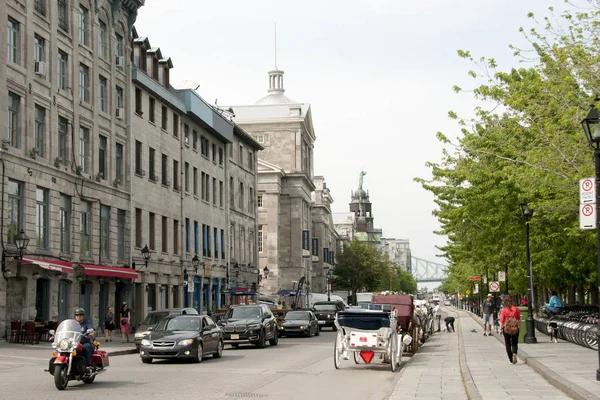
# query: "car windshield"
{"type": "Point", "coordinates": [325, 307]}
{"type": "Point", "coordinates": [245, 312]}
{"type": "Point", "coordinates": [295, 315]}
{"type": "Point", "coordinates": [153, 318]}
{"type": "Point", "coordinates": [179, 323]}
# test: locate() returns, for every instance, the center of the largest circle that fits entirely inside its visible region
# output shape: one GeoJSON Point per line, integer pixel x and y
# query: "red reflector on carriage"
{"type": "Point", "coordinates": [367, 356]}
{"type": "Point", "coordinates": [363, 339]}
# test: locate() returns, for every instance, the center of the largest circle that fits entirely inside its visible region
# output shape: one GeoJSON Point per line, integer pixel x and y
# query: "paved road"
{"type": "Point", "coordinates": [298, 368]}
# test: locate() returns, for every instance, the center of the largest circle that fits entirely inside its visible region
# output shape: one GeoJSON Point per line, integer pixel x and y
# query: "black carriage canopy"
{"type": "Point", "coordinates": [367, 321]}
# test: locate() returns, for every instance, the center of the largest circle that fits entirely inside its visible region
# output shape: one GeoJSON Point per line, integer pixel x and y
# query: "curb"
{"type": "Point", "coordinates": [468, 382]}
{"type": "Point", "coordinates": [568, 388]}
{"type": "Point", "coordinates": [121, 352]}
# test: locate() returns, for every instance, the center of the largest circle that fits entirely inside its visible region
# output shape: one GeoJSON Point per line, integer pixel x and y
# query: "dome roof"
{"type": "Point", "coordinates": [275, 98]}
{"type": "Point", "coordinates": [360, 194]}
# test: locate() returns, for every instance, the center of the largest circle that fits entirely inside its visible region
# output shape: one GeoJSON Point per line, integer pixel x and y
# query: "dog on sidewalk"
{"type": "Point", "coordinates": [553, 332]}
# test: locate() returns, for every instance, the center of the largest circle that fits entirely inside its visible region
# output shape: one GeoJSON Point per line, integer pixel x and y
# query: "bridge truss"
{"type": "Point", "coordinates": [427, 271]}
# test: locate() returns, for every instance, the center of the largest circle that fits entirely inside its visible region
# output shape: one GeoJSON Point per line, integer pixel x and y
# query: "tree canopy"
{"type": "Point", "coordinates": [524, 144]}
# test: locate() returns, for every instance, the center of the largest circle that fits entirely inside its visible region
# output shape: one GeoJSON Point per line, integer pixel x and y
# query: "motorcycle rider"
{"type": "Point", "coordinates": [86, 340]}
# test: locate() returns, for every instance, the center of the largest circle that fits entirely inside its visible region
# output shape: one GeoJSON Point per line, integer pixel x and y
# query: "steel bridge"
{"type": "Point", "coordinates": [427, 271]}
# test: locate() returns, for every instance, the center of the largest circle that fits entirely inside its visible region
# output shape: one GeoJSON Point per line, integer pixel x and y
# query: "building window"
{"type": "Point", "coordinates": [15, 210]}
{"type": "Point", "coordinates": [242, 244]}
{"type": "Point", "coordinates": [165, 235]}
{"type": "Point", "coordinates": [105, 232]}
{"type": "Point", "coordinates": [151, 168]}
{"type": "Point", "coordinates": [118, 45]}
{"type": "Point", "coordinates": [14, 117]}
{"type": "Point", "coordinates": [214, 153]}
{"type": "Point", "coordinates": [176, 175]}
{"type": "Point", "coordinates": [151, 231]}
{"type": "Point", "coordinates": [214, 194]}
{"type": "Point", "coordinates": [120, 103]}
{"type": "Point", "coordinates": [63, 68]}
{"type": "Point", "coordinates": [138, 101]}
{"type": "Point", "coordinates": [151, 108]}
{"type": "Point", "coordinates": [186, 177]}
{"type": "Point", "coordinates": [63, 15]}
{"type": "Point", "coordinates": [84, 83]}
{"type": "Point", "coordinates": [164, 170]}
{"type": "Point", "coordinates": [231, 242]}
{"type": "Point", "coordinates": [186, 134]}
{"type": "Point", "coordinates": [39, 48]}
{"type": "Point", "coordinates": [138, 228]}
{"type": "Point", "coordinates": [204, 146]}
{"type": "Point", "coordinates": [40, 7]}
{"type": "Point", "coordinates": [250, 161]}
{"type": "Point", "coordinates": [63, 141]}
{"type": "Point", "coordinates": [84, 148]}
{"type": "Point", "coordinates": [41, 218]}
{"type": "Point", "coordinates": [195, 237]}
{"type": "Point", "coordinates": [164, 117]}
{"type": "Point", "coordinates": [175, 125]}
{"type": "Point", "coordinates": [85, 228]}
{"type": "Point", "coordinates": [102, 93]}
{"type": "Point", "coordinates": [260, 238]}
{"type": "Point", "coordinates": [40, 130]}
{"type": "Point", "coordinates": [83, 25]}
{"type": "Point", "coordinates": [102, 40]}
{"type": "Point", "coordinates": [14, 40]}
{"type": "Point", "coordinates": [220, 156]}
{"type": "Point", "coordinates": [259, 201]}
{"type": "Point", "coordinates": [220, 193]}
{"type": "Point", "coordinates": [204, 240]}
{"type": "Point", "coordinates": [102, 143]}
{"type": "Point", "coordinates": [195, 181]}
{"type": "Point", "coordinates": [121, 224]}
{"type": "Point", "coordinates": [231, 193]}
{"type": "Point", "coordinates": [119, 163]}
{"type": "Point", "coordinates": [203, 185]}
{"type": "Point", "coordinates": [241, 156]}
{"type": "Point", "coordinates": [194, 140]}
{"type": "Point", "coordinates": [138, 157]}
{"type": "Point", "coordinates": [65, 223]}
{"type": "Point", "coordinates": [175, 236]}
{"type": "Point", "coordinates": [208, 252]}
{"type": "Point", "coordinates": [222, 244]}
{"type": "Point", "coordinates": [251, 248]}
{"type": "Point", "coordinates": [241, 196]}
{"type": "Point", "coordinates": [260, 138]}
{"type": "Point", "coordinates": [251, 200]}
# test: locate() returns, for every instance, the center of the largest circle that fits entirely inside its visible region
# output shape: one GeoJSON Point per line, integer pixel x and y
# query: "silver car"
{"type": "Point", "coordinates": [152, 319]}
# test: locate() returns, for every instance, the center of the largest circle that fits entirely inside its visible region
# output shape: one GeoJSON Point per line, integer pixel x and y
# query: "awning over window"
{"type": "Point", "coordinates": [51, 265]}
{"type": "Point", "coordinates": [103, 270]}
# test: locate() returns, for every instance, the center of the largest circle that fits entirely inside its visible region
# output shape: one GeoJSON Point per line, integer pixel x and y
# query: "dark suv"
{"type": "Point", "coordinates": [152, 319]}
{"type": "Point", "coordinates": [325, 312]}
{"type": "Point", "coordinates": [254, 324]}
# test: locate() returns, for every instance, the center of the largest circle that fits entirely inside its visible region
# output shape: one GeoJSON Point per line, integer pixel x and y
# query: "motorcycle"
{"type": "Point", "coordinates": [68, 362]}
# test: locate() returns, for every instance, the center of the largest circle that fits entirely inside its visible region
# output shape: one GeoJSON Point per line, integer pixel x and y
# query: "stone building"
{"type": "Point", "coordinates": [66, 73]}
{"type": "Point", "coordinates": [325, 238]}
{"type": "Point", "coordinates": [285, 183]}
{"type": "Point", "coordinates": [362, 208]}
{"type": "Point", "coordinates": [345, 226]}
{"type": "Point", "coordinates": [398, 251]}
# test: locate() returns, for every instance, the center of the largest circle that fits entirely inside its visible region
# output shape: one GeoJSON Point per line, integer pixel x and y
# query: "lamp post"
{"type": "Point", "coordinates": [530, 338]}
{"type": "Point", "coordinates": [266, 272]}
{"type": "Point", "coordinates": [145, 255]}
{"type": "Point", "coordinates": [329, 285]}
{"type": "Point", "coordinates": [591, 128]}
{"type": "Point", "coordinates": [21, 243]}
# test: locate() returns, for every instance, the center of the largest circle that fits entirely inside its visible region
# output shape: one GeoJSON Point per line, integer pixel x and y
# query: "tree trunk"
{"type": "Point", "coordinates": [571, 294]}
{"type": "Point", "coordinates": [594, 295]}
{"type": "Point", "coordinates": [580, 294]}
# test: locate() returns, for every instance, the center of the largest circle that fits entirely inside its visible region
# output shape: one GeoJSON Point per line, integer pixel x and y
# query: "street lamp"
{"type": "Point", "coordinates": [266, 272]}
{"type": "Point", "coordinates": [530, 338]}
{"type": "Point", "coordinates": [329, 275]}
{"type": "Point", "coordinates": [146, 255]}
{"type": "Point", "coordinates": [21, 242]}
{"type": "Point", "coordinates": [591, 128]}
{"type": "Point", "coordinates": [196, 263]}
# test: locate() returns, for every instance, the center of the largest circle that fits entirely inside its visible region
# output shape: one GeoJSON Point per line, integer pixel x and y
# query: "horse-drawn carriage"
{"type": "Point", "coordinates": [407, 325]}
{"type": "Point", "coordinates": [367, 333]}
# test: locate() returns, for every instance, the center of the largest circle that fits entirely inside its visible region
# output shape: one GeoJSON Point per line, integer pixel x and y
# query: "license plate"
{"type": "Point", "coordinates": [235, 336]}
{"type": "Point", "coordinates": [321, 322]}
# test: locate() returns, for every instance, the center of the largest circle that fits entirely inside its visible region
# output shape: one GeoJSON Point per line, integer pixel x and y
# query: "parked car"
{"type": "Point", "coordinates": [182, 336]}
{"type": "Point", "coordinates": [325, 312]}
{"type": "Point", "coordinates": [254, 324]}
{"type": "Point", "coordinates": [447, 303]}
{"type": "Point", "coordinates": [299, 323]}
{"type": "Point", "coordinates": [154, 317]}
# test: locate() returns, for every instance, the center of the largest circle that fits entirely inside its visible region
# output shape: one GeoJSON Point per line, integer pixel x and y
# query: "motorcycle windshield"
{"type": "Point", "coordinates": [68, 329]}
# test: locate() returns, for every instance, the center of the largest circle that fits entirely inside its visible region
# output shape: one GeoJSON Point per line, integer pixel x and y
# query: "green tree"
{"type": "Point", "coordinates": [406, 282]}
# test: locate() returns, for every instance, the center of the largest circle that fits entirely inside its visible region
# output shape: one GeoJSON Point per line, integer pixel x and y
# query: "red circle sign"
{"type": "Point", "coordinates": [587, 210]}
{"type": "Point", "coordinates": [494, 287]}
{"type": "Point", "coordinates": [587, 185]}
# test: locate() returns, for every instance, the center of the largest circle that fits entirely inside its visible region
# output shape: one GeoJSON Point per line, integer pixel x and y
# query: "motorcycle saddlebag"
{"type": "Point", "coordinates": [100, 358]}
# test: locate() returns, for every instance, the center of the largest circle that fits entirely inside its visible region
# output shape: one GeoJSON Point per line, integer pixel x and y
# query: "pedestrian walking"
{"type": "Point", "coordinates": [488, 308]}
{"type": "Point", "coordinates": [449, 323]}
{"type": "Point", "coordinates": [438, 315]}
{"type": "Point", "coordinates": [510, 321]}
{"type": "Point", "coordinates": [109, 324]}
{"type": "Point", "coordinates": [124, 322]}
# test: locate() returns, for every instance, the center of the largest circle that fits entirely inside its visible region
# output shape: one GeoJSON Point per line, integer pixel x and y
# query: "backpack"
{"type": "Point", "coordinates": [511, 326]}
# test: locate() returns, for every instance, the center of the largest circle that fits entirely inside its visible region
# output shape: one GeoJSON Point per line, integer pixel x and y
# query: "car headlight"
{"type": "Point", "coordinates": [185, 342]}
{"type": "Point", "coordinates": [254, 327]}
{"type": "Point", "coordinates": [140, 335]}
{"type": "Point", "coordinates": [145, 342]}
{"type": "Point", "coordinates": [328, 315]}
{"type": "Point", "coordinates": [301, 327]}
{"type": "Point", "coordinates": [64, 344]}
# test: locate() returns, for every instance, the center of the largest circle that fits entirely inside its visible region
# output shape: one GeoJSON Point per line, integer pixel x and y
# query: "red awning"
{"type": "Point", "coordinates": [51, 265]}
{"type": "Point", "coordinates": [115, 272]}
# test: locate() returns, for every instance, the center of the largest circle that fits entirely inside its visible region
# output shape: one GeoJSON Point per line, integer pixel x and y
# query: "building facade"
{"type": "Point", "coordinates": [64, 158]}
{"type": "Point", "coordinates": [325, 241]}
{"type": "Point", "coordinates": [362, 208]}
{"type": "Point", "coordinates": [398, 251]}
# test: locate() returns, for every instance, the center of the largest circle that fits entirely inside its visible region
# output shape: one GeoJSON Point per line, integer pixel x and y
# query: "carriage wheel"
{"type": "Point", "coordinates": [337, 350]}
{"type": "Point", "coordinates": [400, 349]}
{"type": "Point", "coordinates": [414, 345]}
{"type": "Point", "coordinates": [392, 352]}
{"type": "Point", "coordinates": [356, 357]}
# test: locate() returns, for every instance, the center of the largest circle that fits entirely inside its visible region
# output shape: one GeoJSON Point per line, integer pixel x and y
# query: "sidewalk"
{"type": "Point", "coordinates": [44, 349]}
{"type": "Point", "coordinates": [469, 365]}
{"type": "Point", "coordinates": [568, 366]}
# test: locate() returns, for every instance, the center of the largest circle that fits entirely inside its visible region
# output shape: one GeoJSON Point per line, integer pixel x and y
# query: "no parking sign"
{"type": "Point", "coordinates": [494, 286]}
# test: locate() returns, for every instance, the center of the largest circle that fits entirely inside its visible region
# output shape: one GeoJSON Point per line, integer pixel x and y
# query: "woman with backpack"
{"type": "Point", "coordinates": [510, 321]}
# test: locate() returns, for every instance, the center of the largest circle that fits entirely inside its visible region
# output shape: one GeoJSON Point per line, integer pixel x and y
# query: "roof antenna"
{"type": "Point", "coordinates": [275, 26]}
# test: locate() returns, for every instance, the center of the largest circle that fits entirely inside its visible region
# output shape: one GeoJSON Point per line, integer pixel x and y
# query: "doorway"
{"type": "Point", "coordinates": [85, 300]}
{"type": "Point", "coordinates": [102, 304]}
{"type": "Point", "coordinates": [42, 300]}
{"type": "Point", "coordinates": [64, 290]}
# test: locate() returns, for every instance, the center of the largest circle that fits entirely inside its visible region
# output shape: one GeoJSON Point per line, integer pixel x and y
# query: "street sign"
{"type": "Point", "coordinates": [494, 286]}
{"type": "Point", "coordinates": [587, 216]}
{"type": "Point", "coordinates": [501, 276]}
{"type": "Point", "coordinates": [474, 278]}
{"type": "Point", "coordinates": [190, 286]}
{"type": "Point", "coordinates": [476, 288]}
{"type": "Point", "coordinates": [587, 191]}
{"type": "Point", "coordinates": [485, 279]}
{"type": "Point", "coordinates": [468, 291]}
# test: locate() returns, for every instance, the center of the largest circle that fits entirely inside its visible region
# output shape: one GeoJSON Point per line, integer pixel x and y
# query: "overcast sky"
{"type": "Point", "coordinates": [378, 75]}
